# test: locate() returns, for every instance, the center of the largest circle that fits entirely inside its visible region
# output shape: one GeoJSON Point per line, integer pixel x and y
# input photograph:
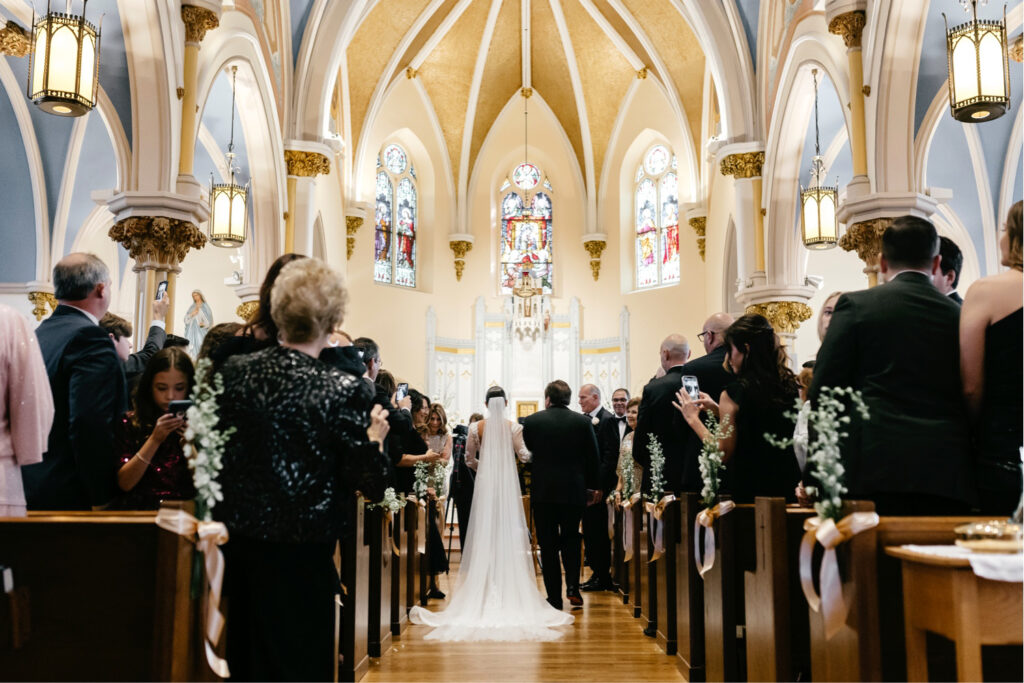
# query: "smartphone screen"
{"type": "Point", "coordinates": [402, 392]}
{"type": "Point", "coordinates": [161, 289]}
{"type": "Point", "coordinates": [179, 407]}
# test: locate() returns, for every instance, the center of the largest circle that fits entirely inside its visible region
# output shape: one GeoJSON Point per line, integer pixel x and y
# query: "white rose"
{"type": "Point", "coordinates": [594, 421]}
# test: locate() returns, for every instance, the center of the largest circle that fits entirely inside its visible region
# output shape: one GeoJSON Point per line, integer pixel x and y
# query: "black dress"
{"type": "Point", "coordinates": [758, 468]}
{"type": "Point", "coordinates": [299, 449]}
{"type": "Point", "coordinates": [1000, 429]}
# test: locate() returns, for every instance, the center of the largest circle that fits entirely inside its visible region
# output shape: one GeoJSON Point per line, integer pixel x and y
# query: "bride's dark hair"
{"type": "Point", "coordinates": [494, 392]}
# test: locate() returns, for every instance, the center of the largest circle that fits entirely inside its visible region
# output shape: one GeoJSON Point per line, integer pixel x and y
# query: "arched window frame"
{"type": "Point", "coordinates": [539, 197]}
{"type": "Point", "coordinates": [396, 218]}
{"type": "Point", "coordinates": [655, 227]}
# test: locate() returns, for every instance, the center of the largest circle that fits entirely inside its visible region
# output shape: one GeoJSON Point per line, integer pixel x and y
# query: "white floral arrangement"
{"type": "Point", "coordinates": [420, 484]}
{"type": "Point", "coordinates": [389, 503]}
{"type": "Point", "coordinates": [827, 422]}
{"type": "Point", "coordinates": [657, 456]}
{"type": "Point", "coordinates": [429, 476]}
{"type": "Point", "coordinates": [628, 474]}
{"type": "Point", "coordinates": [204, 443]}
{"type": "Point", "coordinates": [710, 458]}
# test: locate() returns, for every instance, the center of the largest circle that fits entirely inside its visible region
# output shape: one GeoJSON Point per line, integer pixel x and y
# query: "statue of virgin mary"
{"type": "Point", "coordinates": [198, 321]}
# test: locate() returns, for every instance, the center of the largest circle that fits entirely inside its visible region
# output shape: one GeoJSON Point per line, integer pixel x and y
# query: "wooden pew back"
{"type": "Point", "coordinates": [399, 574]}
{"type": "Point", "coordinates": [377, 537]}
{"type": "Point", "coordinates": [355, 568]}
{"type": "Point", "coordinates": [689, 594]}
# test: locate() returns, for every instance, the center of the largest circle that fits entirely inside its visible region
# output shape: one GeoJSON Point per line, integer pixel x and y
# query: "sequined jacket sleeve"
{"type": "Point", "coordinates": [362, 465]}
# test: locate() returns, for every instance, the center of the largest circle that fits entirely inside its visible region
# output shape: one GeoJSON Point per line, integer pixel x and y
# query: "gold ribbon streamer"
{"type": "Point", "coordinates": [629, 527]}
{"type": "Point", "coordinates": [706, 519]}
{"type": "Point", "coordinates": [391, 533]}
{"type": "Point", "coordinates": [657, 510]}
{"type": "Point", "coordinates": [830, 535]}
{"type": "Point", "coordinates": [207, 536]}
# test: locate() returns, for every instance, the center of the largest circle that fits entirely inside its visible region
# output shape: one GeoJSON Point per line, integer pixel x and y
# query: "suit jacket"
{"type": "Point", "coordinates": [608, 441]}
{"type": "Point", "coordinates": [136, 363]}
{"type": "Point", "coordinates": [565, 457]}
{"type": "Point", "coordinates": [957, 298]}
{"type": "Point", "coordinates": [79, 469]}
{"type": "Point", "coordinates": [658, 417]}
{"type": "Point", "coordinates": [898, 344]}
{"type": "Point", "coordinates": [712, 378]}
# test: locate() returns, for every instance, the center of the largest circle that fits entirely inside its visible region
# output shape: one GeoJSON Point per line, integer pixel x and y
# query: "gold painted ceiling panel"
{"type": "Point", "coordinates": [447, 75]}
{"type": "Point", "coordinates": [619, 26]}
{"type": "Point", "coordinates": [375, 41]}
{"type": "Point", "coordinates": [502, 74]}
{"type": "Point", "coordinates": [428, 30]}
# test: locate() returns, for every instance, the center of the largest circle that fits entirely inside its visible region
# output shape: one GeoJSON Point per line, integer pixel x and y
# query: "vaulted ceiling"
{"type": "Point", "coordinates": [582, 56]}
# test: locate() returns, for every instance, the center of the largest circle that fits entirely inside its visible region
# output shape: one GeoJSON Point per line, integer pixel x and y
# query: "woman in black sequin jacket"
{"type": "Point", "coordinates": [305, 440]}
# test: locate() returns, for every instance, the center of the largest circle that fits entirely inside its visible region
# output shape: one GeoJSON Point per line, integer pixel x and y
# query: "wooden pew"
{"type": "Point", "coordinates": [353, 625]}
{"type": "Point", "coordinates": [871, 644]}
{"type": "Point", "coordinates": [666, 579]}
{"type": "Point", "coordinates": [108, 596]}
{"type": "Point", "coordinates": [399, 574]}
{"type": "Point", "coordinates": [618, 556]}
{"type": "Point", "coordinates": [778, 641]}
{"type": "Point", "coordinates": [724, 646]}
{"type": "Point", "coordinates": [412, 556]}
{"type": "Point", "coordinates": [649, 606]}
{"type": "Point", "coordinates": [624, 569]}
{"type": "Point", "coordinates": [378, 539]}
{"type": "Point", "coordinates": [689, 594]}
{"type": "Point", "coordinates": [639, 563]}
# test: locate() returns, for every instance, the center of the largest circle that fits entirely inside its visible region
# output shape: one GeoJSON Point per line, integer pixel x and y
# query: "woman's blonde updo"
{"type": "Point", "coordinates": [308, 300]}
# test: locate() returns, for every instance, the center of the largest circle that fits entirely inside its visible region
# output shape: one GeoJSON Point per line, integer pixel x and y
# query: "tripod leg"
{"type": "Point", "coordinates": [451, 526]}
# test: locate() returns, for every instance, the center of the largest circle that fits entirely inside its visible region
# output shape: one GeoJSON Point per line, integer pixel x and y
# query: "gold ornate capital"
{"type": "Point", "coordinates": [40, 300]}
{"type": "Point", "coordinates": [865, 238]}
{"type": "Point", "coordinates": [850, 26]}
{"type": "Point", "coordinates": [1017, 49]}
{"type": "Point", "coordinates": [745, 165]}
{"type": "Point", "coordinates": [460, 248]}
{"type": "Point", "coordinates": [247, 309]}
{"type": "Point", "coordinates": [352, 225]}
{"type": "Point", "coordinates": [156, 241]}
{"type": "Point", "coordinates": [785, 316]}
{"type": "Point", "coordinates": [699, 225]}
{"type": "Point", "coordinates": [641, 74]}
{"type": "Point", "coordinates": [594, 248]}
{"type": "Point", "coordinates": [14, 40]}
{"type": "Point", "coordinates": [306, 164]}
{"type": "Point", "coordinates": [198, 20]}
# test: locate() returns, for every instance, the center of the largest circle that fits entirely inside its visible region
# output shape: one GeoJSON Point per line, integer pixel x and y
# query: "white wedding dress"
{"type": "Point", "coordinates": [495, 595]}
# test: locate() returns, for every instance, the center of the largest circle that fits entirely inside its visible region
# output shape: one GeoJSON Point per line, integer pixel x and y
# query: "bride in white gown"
{"type": "Point", "coordinates": [496, 595]}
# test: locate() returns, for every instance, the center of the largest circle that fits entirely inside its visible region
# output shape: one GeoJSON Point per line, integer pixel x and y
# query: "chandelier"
{"type": "Point", "coordinates": [64, 68]}
{"type": "Point", "coordinates": [979, 75]}
{"type": "Point", "coordinates": [228, 205]}
{"type": "Point", "coordinates": [821, 231]}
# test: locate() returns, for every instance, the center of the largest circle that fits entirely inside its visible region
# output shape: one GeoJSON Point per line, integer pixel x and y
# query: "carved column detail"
{"type": "Point", "coordinates": [40, 300]}
{"type": "Point", "coordinates": [594, 248]}
{"type": "Point", "coordinates": [157, 242]}
{"type": "Point", "coordinates": [699, 225]}
{"type": "Point", "coordinates": [460, 248]}
{"type": "Point", "coordinates": [784, 316]}
{"type": "Point", "coordinates": [865, 238]}
{"type": "Point", "coordinates": [247, 309]}
{"type": "Point", "coordinates": [198, 21]}
{"type": "Point", "coordinates": [1016, 49]}
{"type": "Point", "coordinates": [14, 40]}
{"type": "Point", "coordinates": [850, 26]}
{"type": "Point", "coordinates": [306, 164]}
{"type": "Point", "coordinates": [744, 165]}
{"type": "Point", "coordinates": [352, 225]}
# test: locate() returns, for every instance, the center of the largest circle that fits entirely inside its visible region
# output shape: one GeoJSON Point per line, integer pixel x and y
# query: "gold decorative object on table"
{"type": "Point", "coordinates": [40, 300]}
{"type": "Point", "coordinates": [996, 536]}
{"type": "Point", "coordinates": [594, 248]}
{"type": "Point", "coordinates": [352, 225]}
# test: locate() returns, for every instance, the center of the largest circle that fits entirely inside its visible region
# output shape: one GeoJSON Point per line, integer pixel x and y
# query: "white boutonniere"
{"type": "Point", "coordinates": [594, 421]}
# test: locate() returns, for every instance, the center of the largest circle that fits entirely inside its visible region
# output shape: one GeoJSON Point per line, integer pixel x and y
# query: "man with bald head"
{"type": "Point", "coordinates": [89, 395]}
{"type": "Point", "coordinates": [595, 517]}
{"type": "Point", "coordinates": [712, 378]}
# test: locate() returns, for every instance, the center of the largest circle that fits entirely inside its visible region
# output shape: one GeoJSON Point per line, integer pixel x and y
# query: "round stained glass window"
{"type": "Point", "coordinates": [657, 160]}
{"type": "Point", "coordinates": [526, 176]}
{"type": "Point", "coordinates": [395, 159]}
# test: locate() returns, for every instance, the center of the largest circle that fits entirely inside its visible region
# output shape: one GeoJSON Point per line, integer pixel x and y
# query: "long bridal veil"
{"type": "Point", "coordinates": [496, 595]}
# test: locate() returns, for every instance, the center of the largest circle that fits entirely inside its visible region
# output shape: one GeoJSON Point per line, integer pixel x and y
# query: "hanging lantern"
{"type": "Point", "coordinates": [818, 202]}
{"type": "Point", "coordinates": [229, 201]}
{"type": "Point", "coordinates": [979, 75]}
{"type": "Point", "coordinates": [63, 73]}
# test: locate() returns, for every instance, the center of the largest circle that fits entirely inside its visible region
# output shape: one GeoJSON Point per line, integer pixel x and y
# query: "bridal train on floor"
{"type": "Point", "coordinates": [495, 595]}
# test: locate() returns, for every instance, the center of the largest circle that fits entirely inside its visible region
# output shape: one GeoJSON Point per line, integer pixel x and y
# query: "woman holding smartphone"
{"type": "Point", "coordinates": [152, 463]}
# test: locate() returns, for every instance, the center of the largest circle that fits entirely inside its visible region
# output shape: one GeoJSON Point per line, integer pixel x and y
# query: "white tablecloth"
{"type": "Point", "coordinates": [991, 566]}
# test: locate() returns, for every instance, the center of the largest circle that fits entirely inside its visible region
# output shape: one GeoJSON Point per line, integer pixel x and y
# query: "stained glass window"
{"type": "Point", "coordinates": [526, 232]}
{"type": "Point", "coordinates": [395, 219]}
{"type": "Point", "coordinates": [656, 219]}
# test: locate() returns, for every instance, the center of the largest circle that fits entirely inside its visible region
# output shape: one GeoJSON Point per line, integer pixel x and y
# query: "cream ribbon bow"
{"type": "Point", "coordinates": [628, 527]}
{"type": "Point", "coordinates": [421, 525]}
{"type": "Point", "coordinates": [207, 536]}
{"type": "Point", "coordinates": [706, 519]}
{"type": "Point", "coordinates": [611, 521]}
{"type": "Point", "coordinates": [656, 511]}
{"type": "Point", "coordinates": [829, 534]}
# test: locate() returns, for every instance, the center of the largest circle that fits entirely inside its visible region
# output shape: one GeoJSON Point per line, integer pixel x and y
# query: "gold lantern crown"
{"type": "Point", "coordinates": [228, 201]}
{"type": "Point", "coordinates": [979, 74]}
{"type": "Point", "coordinates": [818, 202]}
{"type": "Point", "coordinates": [63, 74]}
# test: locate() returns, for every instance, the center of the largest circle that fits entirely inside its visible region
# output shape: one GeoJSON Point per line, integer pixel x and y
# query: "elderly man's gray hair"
{"type": "Point", "coordinates": [76, 275]}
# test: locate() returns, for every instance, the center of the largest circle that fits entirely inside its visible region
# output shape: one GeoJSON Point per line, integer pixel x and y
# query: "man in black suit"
{"type": "Point", "coordinates": [712, 378]}
{"type": "Point", "coordinates": [951, 263]}
{"type": "Point", "coordinates": [659, 418]}
{"type": "Point", "coordinates": [89, 395]}
{"type": "Point", "coordinates": [595, 524]}
{"type": "Point", "coordinates": [120, 332]}
{"type": "Point", "coordinates": [565, 476]}
{"type": "Point", "coordinates": [898, 344]}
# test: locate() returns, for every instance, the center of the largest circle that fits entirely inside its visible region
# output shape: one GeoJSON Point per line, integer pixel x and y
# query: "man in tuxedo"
{"type": "Point", "coordinates": [712, 378]}
{"type": "Point", "coordinates": [898, 344]}
{"type": "Point", "coordinates": [120, 332]}
{"type": "Point", "coordinates": [595, 530]}
{"type": "Point", "coordinates": [565, 478]}
{"type": "Point", "coordinates": [659, 418]}
{"type": "Point", "coordinates": [78, 471]}
{"type": "Point", "coordinates": [951, 263]}
{"type": "Point", "coordinates": [610, 431]}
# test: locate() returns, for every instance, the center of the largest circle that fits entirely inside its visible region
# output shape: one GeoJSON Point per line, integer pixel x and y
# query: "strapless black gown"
{"type": "Point", "coordinates": [1001, 428]}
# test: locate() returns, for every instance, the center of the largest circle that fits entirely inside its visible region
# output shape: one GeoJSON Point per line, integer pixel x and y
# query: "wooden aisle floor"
{"type": "Point", "coordinates": [605, 644]}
